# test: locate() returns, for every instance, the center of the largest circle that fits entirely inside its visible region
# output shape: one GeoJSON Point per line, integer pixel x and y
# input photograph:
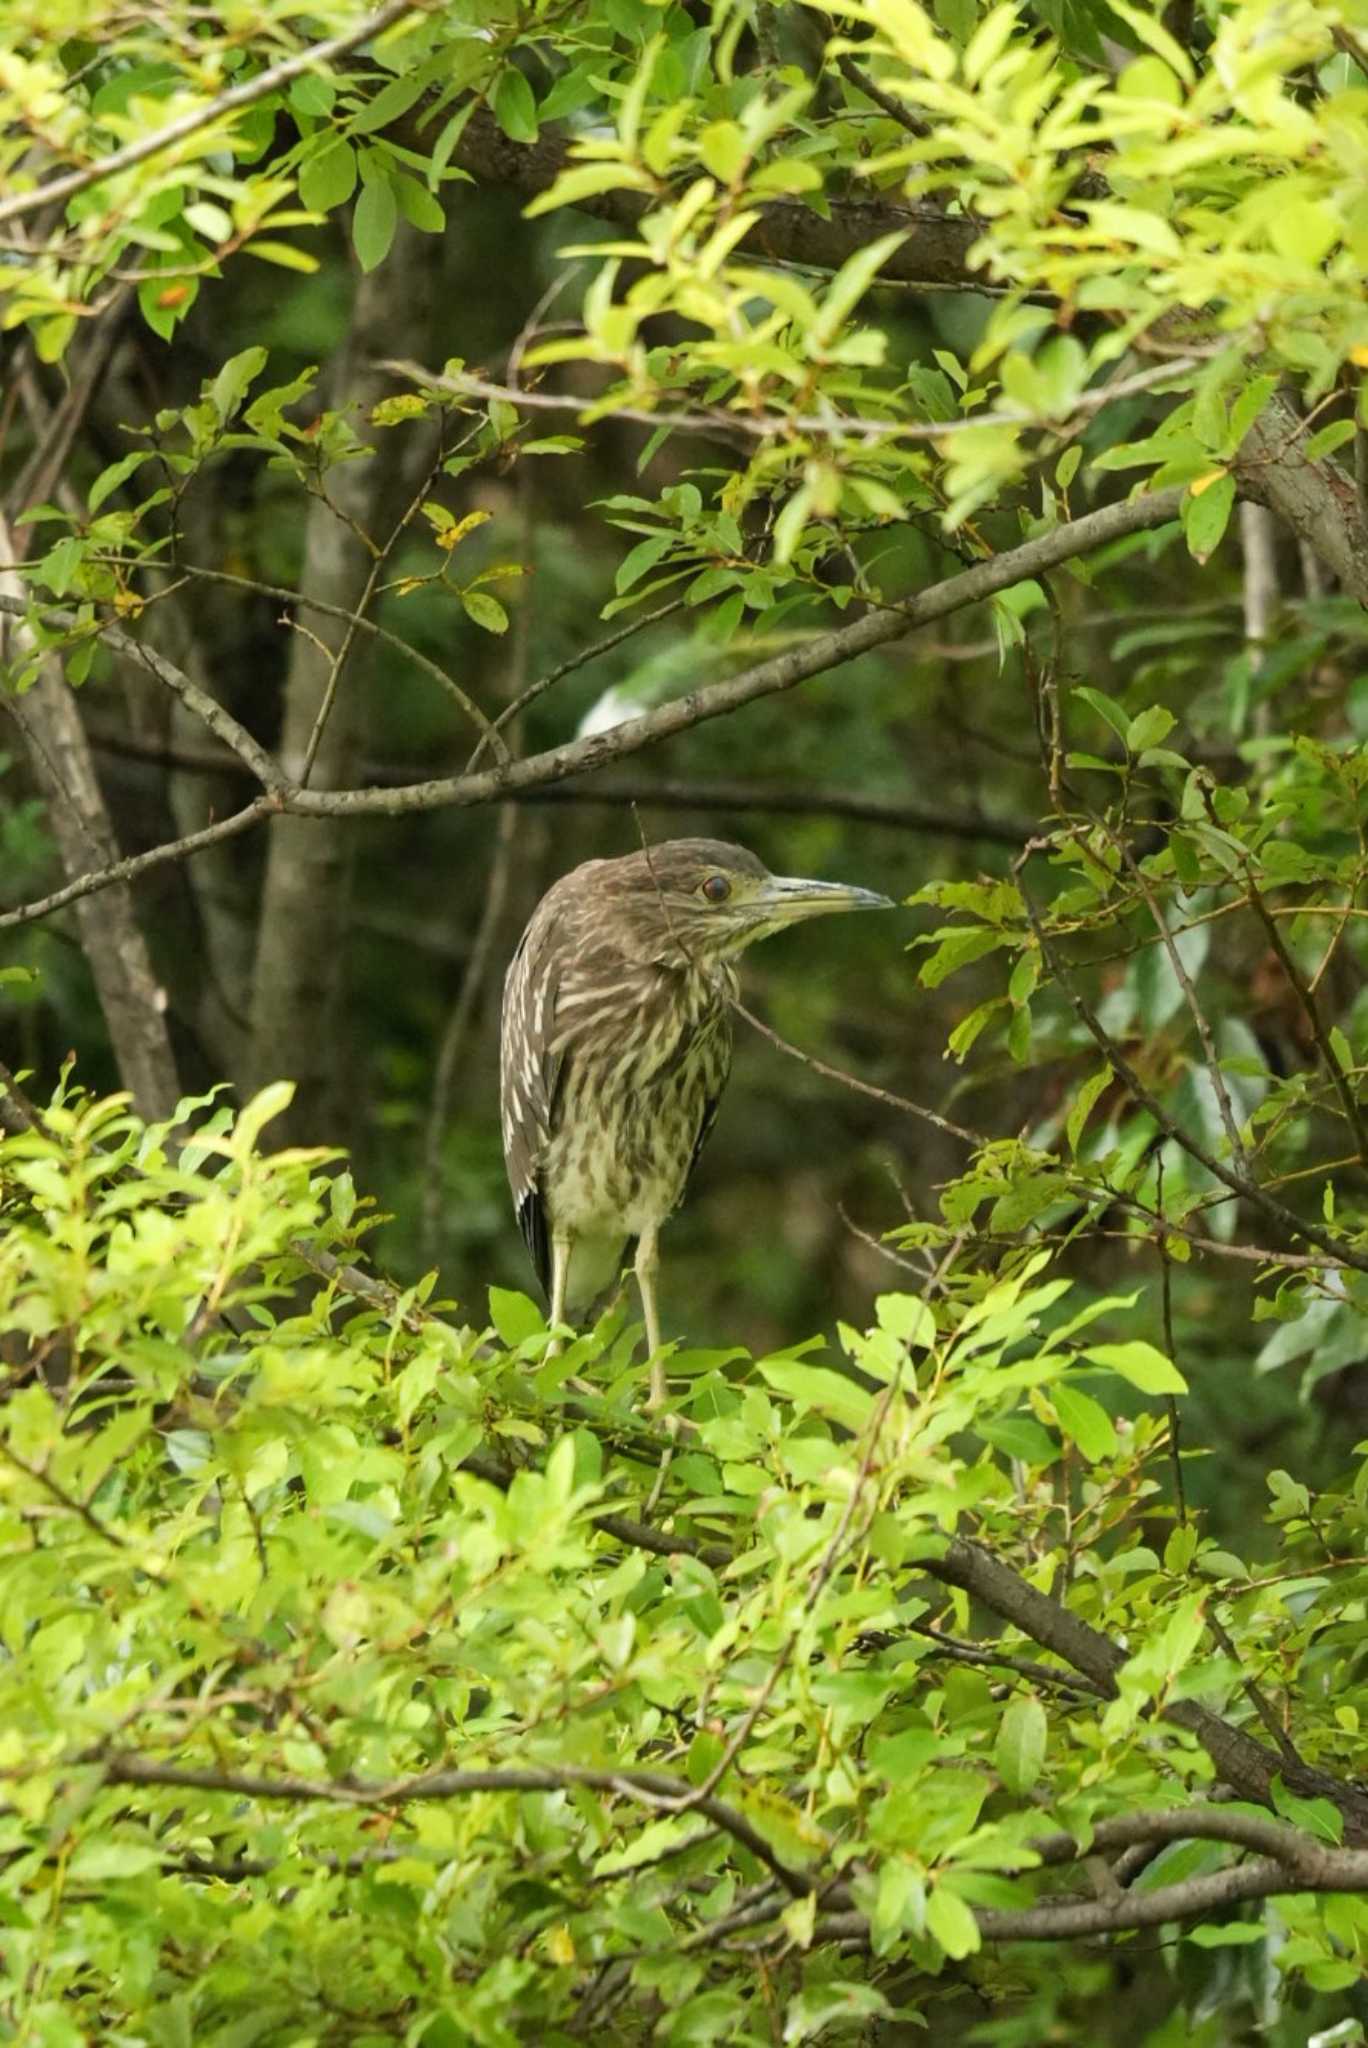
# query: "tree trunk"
{"type": "Point", "coordinates": [133, 1003]}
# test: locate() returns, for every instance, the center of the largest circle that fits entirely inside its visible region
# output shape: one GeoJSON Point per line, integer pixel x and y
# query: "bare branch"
{"type": "Point", "coordinates": [352, 617]}
{"type": "Point", "coordinates": [1306, 996]}
{"type": "Point", "coordinates": [1242, 1761]}
{"type": "Point", "coordinates": [129, 993]}
{"type": "Point", "coordinates": [896, 109]}
{"type": "Point", "coordinates": [778, 673]}
{"type": "Point", "coordinates": [567, 667]}
{"type": "Point", "coordinates": [140, 863]}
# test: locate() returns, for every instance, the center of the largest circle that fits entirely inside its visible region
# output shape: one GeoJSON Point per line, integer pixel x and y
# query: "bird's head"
{"type": "Point", "coordinates": [708, 900]}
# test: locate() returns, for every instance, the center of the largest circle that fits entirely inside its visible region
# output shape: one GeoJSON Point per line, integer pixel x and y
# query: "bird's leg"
{"type": "Point", "coordinates": [561, 1244]}
{"type": "Point", "coordinates": [647, 1264]}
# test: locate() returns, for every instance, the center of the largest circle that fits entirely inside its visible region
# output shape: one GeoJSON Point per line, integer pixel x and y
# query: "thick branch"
{"type": "Point", "coordinates": [935, 253]}
{"type": "Point", "coordinates": [1318, 500]}
{"type": "Point", "coordinates": [1257, 1831]}
{"type": "Point", "coordinates": [1243, 1763]}
{"type": "Point", "coordinates": [1194, 1898]}
{"type": "Point", "coordinates": [1305, 1867]}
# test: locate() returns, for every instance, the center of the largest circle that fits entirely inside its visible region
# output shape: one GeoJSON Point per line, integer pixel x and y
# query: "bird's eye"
{"type": "Point", "coordinates": [717, 888]}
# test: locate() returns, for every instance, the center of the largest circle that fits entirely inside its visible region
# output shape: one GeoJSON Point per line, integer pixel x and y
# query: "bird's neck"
{"type": "Point", "coordinates": [701, 984]}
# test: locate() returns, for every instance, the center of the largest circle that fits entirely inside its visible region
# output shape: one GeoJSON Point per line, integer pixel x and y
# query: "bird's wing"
{"type": "Point", "coordinates": [711, 1101]}
{"type": "Point", "coordinates": [529, 1078]}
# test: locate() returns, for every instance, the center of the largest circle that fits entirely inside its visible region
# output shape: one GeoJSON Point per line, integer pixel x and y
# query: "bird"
{"type": "Point", "coordinates": [616, 1046]}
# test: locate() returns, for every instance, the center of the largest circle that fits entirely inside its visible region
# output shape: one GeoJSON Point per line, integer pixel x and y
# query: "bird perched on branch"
{"type": "Point", "coordinates": [616, 1047]}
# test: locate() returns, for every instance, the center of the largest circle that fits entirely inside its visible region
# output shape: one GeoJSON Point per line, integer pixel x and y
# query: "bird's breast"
{"type": "Point", "coordinates": [638, 1079]}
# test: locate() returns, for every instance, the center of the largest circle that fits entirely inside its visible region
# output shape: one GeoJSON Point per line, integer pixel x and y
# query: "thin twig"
{"type": "Point", "coordinates": [1238, 1183]}
{"type": "Point", "coordinates": [765, 426]}
{"type": "Point", "coordinates": [533, 691]}
{"type": "Point", "coordinates": [893, 107]}
{"type": "Point", "coordinates": [1166, 1301]}
{"type": "Point", "coordinates": [1229, 1121]}
{"type": "Point", "coordinates": [447, 684]}
{"type": "Point", "coordinates": [1306, 996]}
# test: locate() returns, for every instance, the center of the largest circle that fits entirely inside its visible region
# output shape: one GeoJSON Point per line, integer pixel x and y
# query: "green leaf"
{"type": "Point", "coordinates": [1316, 1817]}
{"type": "Point", "coordinates": [1337, 435]}
{"type": "Point", "coordinates": [1231, 1934]}
{"type": "Point", "coordinates": [1149, 728]}
{"type": "Point", "coordinates": [328, 179]}
{"type": "Point", "coordinates": [1141, 1364]}
{"type": "Point", "coordinates": [586, 181]}
{"type": "Point", "coordinates": [105, 1862]}
{"type": "Point", "coordinates": [401, 93]}
{"type": "Point", "coordinates": [1147, 29]}
{"type": "Point", "coordinates": [419, 206]}
{"type": "Point", "coordinates": [231, 385]}
{"type": "Point", "coordinates": [906, 1317]}
{"type": "Point", "coordinates": [283, 254]}
{"type": "Point", "coordinates": [514, 1316]}
{"type": "Point", "coordinates": [724, 150]}
{"type": "Point", "coordinates": [1246, 410]}
{"type": "Point", "coordinates": [1021, 1437]}
{"type": "Point", "coordinates": [1084, 1103]}
{"type": "Point", "coordinates": [642, 557]}
{"type": "Point", "coordinates": [1206, 514]}
{"type": "Point", "coordinates": [1111, 714]}
{"type": "Point", "coordinates": [850, 284]}
{"type": "Point", "coordinates": [813, 1386]}
{"type": "Point", "coordinates": [1019, 1751]}
{"type": "Point", "coordinates": [374, 220]}
{"type": "Point", "coordinates": [109, 480]}
{"type": "Point", "coordinates": [951, 1924]}
{"type": "Point", "coordinates": [515, 109]}
{"type": "Point", "coordinates": [484, 610]}
{"type": "Point", "coordinates": [958, 948]}
{"type": "Point", "coordinates": [1085, 1422]}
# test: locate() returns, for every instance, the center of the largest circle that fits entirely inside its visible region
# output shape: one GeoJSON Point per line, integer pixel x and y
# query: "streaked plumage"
{"type": "Point", "coordinates": [616, 1047]}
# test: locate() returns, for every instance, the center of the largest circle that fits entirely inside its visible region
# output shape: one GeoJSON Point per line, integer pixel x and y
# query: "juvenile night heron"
{"type": "Point", "coordinates": [617, 1044]}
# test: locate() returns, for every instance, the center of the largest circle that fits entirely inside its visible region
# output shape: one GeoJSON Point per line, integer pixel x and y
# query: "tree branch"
{"type": "Point", "coordinates": [58, 190]}
{"type": "Point", "coordinates": [1243, 1762]}
{"type": "Point", "coordinates": [768, 678]}
{"type": "Point", "coordinates": [1192, 1899]}
{"type": "Point", "coordinates": [935, 252]}
{"type": "Point", "coordinates": [658, 1789]}
{"type": "Point", "coordinates": [714, 700]}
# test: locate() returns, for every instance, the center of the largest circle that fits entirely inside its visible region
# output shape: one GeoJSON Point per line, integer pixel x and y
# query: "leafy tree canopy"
{"type": "Point", "coordinates": [368, 1673]}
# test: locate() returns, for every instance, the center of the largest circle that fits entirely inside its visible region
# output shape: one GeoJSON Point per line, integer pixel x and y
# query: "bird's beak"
{"type": "Point", "coordinates": [787, 898]}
